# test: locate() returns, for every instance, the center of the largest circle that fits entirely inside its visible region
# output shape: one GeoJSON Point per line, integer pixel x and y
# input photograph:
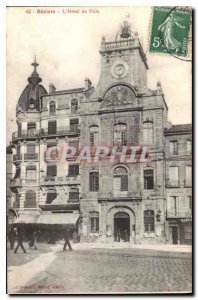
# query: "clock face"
{"type": "Point", "coordinates": [119, 69]}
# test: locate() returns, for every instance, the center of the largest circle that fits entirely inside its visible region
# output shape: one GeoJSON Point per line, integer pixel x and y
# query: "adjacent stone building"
{"type": "Point", "coordinates": [104, 200]}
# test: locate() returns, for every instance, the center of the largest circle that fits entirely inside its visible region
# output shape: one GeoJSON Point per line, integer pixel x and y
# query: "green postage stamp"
{"type": "Point", "coordinates": [170, 30]}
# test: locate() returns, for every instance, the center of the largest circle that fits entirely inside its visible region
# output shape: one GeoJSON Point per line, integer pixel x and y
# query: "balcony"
{"type": "Point", "coordinates": [57, 180]}
{"type": "Point", "coordinates": [25, 134]}
{"type": "Point", "coordinates": [127, 196]}
{"type": "Point", "coordinates": [172, 184]}
{"type": "Point", "coordinates": [17, 158]}
{"type": "Point", "coordinates": [180, 214]}
{"type": "Point", "coordinates": [30, 156]}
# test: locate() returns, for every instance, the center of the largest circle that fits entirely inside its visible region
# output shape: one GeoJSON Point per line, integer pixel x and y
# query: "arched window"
{"type": "Point", "coordinates": [94, 135]}
{"type": "Point", "coordinates": [74, 106]}
{"type": "Point", "coordinates": [52, 108]}
{"type": "Point", "coordinates": [94, 181]}
{"type": "Point", "coordinates": [149, 221]}
{"type": "Point", "coordinates": [94, 222]}
{"type": "Point", "coordinates": [120, 180]}
{"type": "Point", "coordinates": [30, 199]}
{"type": "Point", "coordinates": [51, 195]}
{"type": "Point", "coordinates": [148, 132]}
{"type": "Point", "coordinates": [120, 134]}
{"type": "Point", "coordinates": [73, 195]}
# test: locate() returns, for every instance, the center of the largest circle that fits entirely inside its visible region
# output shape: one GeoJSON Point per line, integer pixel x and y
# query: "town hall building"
{"type": "Point", "coordinates": [107, 200]}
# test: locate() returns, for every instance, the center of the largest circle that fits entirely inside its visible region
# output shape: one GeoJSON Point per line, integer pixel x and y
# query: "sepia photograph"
{"type": "Point", "coordinates": [99, 150]}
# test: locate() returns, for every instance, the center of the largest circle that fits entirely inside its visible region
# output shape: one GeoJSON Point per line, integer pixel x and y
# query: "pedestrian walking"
{"type": "Point", "coordinates": [12, 236]}
{"type": "Point", "coordinates": [33, 241]}
{"type": "Point", "coordinates": [67, 242]}
{"type": "Point", "coordinates": [20, 238]}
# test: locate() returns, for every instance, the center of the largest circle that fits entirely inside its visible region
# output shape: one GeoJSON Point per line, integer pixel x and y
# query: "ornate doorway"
{"type": "Point", "coordinates": [121, 227]}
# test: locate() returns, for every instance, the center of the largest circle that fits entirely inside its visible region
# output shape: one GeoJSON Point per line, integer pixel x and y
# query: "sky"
{"type": "Point", "coordinates": [67, 46]}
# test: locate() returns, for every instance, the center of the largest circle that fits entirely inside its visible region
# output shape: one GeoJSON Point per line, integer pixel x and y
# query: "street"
{"type": "Point", "coordinates": [92, 271]}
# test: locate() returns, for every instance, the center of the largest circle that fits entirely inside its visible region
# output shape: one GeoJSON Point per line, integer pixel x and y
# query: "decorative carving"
{"type": "Point", "coordinates": [120, 95]}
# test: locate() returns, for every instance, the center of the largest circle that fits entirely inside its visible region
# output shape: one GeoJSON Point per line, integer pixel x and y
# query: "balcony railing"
{"type": "Point", "coordinates": [119, 196]}
{"type": "Point", "coordinates": [25, 134]}
{"type": "Point", "coordinates": [30, 156]}
{"type": "Point", "coordinates": [51, 180]}
{"type": "Point", "coordinates": [17, 157]}
{"type": "Point", "coordinates": [179, 214]}
{"type": "Point", "coordinates": [171, 183]}
{"type": "Point", "coordinates": [73, 129]}
{"type": "Point", "coordinates": [188, 183]}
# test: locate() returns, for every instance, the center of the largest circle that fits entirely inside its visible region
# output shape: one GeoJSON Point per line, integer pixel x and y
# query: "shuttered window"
{"type": "Point", "coordinates": [51, 171]}
{"type": "Point", "coordinates": [30, 199]}
{"type": "Point", "coordinates": [94, 222]}
{"type": "Point", "coordinates": [52, 127]}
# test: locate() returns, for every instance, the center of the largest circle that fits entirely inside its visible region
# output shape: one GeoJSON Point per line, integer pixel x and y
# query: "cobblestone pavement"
{"type": "Point", "coordinates": [114, 271]}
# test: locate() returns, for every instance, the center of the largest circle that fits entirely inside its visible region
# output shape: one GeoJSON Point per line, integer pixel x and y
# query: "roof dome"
{"type": "Point", "coordinates": [31, 95]}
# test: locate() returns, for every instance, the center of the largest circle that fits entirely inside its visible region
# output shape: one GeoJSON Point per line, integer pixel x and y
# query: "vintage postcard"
{"type": "Point", "coordinates": [99, 150]}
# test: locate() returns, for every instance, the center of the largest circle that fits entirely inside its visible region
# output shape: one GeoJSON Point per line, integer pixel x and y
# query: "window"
{"type": "Point", "coordinates": [51, 195]}
{"type": "Point", "coordinates": [31, 129]}
{"type": "Point", "coordinates": [149, 221]}
{"type": "Point", "coordinates": [94, 135]}
{"type": "Point", "coordinates": [51, 171]}
{"type": "Point", "coordinates": [120, 180]}
{"type": "Point", "coordinates": [31, 148]}
{"type": "Point", "coordinates": [52, 127]}
{"type": "Point", "coordinates": [94, 222]}
{"type": "Point", "coordinates": [189, 147]}
{"type": "Point", "coordinates": [30, 199]}
{"type": "Point", "coordinates": [148, 132]}
{"type": "Point", "coordinates": [173, 148]}
{"type": "Point", "coordinates": [73, 195]}
{"type": "Point", "coordinates": [74, 106]}
{"type": "Point", "coordinates": [120, 134]}
{"type": "Point", "coordinates": [52, 108]}
{"type": "Point", "coordinates": [94, 181]}
{"type": "Point", "coordinates": [148, 179]}
{"type": "Point", "coordinates": [73, 170]}
{"type": "Point", "coordinates": [31, 173]}
{"type": "Point", "coordinates": [74, 125]}
{"type": "Point", "coordinates": [188, 180]}
{"type": "Point", "coordinates": [173, 176]}
{"type": "Point", "coordinates": [173, 205]}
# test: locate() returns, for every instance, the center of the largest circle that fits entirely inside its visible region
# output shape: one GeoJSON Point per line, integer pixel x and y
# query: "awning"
{"type": "Point", "coordinates": [48, 219]}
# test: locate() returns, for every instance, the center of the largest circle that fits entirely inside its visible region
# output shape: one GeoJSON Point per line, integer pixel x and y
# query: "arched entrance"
{"type": "Point", "coordinates": [121, 227]}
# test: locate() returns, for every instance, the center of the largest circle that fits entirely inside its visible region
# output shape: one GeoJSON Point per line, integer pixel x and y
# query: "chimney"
{"type": "Point", "coordinates": [52, 88]}
{"type": "Point", "coordinates": [87, 84]}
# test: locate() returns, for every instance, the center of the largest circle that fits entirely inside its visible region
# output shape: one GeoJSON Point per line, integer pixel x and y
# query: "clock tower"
{"type": "Point", "coordinates": [123, 61]}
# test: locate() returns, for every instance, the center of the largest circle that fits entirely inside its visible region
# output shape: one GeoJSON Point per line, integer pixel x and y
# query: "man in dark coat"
{"type": "Point", "coordinates": [12, 236]}
{"type": "Point", "coordinates": [20, 240]}
{"type": "Point", "coordinates": [67, 242]}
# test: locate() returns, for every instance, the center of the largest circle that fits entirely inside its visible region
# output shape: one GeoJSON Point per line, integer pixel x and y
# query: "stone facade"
{"type": "Point", "coordinates": [122, 111]}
